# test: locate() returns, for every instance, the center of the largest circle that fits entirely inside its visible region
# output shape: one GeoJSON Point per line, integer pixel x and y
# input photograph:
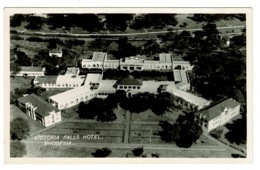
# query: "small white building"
{"type": "Point", "coordinates": [56, 53]}
{"type": "Point", "coordinates": [217, 114]}
{"type": "Point", "coordinates": [39, 110]}
{"type": "Point", "coordinates": [29, 71]}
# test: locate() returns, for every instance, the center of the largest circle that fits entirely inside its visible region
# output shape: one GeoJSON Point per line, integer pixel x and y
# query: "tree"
{"type": "Point", "coordinates": [138, 151]}
{"type": "Point", "coordinates": [216, 133]}
{"type": "Point", "coordinates": [34, 22]}
{"type": "Point", "coordinates": [184, 132]}
{"type": "Point", "coordinates": [16, 20]}
{"type": "Point", "coordinates": [101, 153]}
{"type": "Point", "coordinates": [125, 48]}
{"type": "Point", "coordinates": [237, 131]}
{"type": "Point", "coordinates": [118, 21]}
{"type": "Point", "coordinates": [151, 47]}
{"type": "Point", "coordinates": [23, 59]}
{"type": "Point", "coordinates": [19, 129]}
{"type": "Point", "coordinates": [15, 68]}
{"type": "Point", "coordinates": [108, 116]}
{"type": "Point", "coordinates": [157, 21]}
{"type": "Point", "coordinates": [17, 149]}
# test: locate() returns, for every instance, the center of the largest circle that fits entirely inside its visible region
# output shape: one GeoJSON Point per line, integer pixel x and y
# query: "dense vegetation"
{"type": "Point", "coordinates": [184, 132]}
{"type": "Point", "coordinates": [19, 130]}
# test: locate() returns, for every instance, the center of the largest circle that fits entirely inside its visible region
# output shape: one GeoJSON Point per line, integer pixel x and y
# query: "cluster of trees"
{"type": "Point", "coordinates": [184, 132]}
{"type": "Point", "coordinates": [140, 102]}
{"type": "Point", "coordinates": [99, 44]}
{"type": "Point", "coordinates": [217, 17]}
{"type": "Point", "coordinates": [22, 59]}
{"type": "Point", "coordinates": [126, 49]}
{"type": "Point", "coordinates": [153, 75]}
{"type": "Point", "coordinates": [19, 92]}
{"type": "Point", "coordinates": [237, 131]}
{"type": "Point", "coordinates": [157, 21]}
{"type": "Point", "coordinates": [115, 74]}
{"type": "Point", "coordinates": [218, 73]}
{"type": "Point", "coordinates": [99, 109]}
{"type": "Point", "coordinates": [19, 130]}
{"type": "Point", "coordinates": [95, 22]}
{"type": "Point", "coordinates": [101, 153]}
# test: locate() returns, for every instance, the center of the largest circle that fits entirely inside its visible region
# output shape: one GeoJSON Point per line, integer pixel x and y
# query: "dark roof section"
{"type": "Point", "coordinates": [46, 79]}
{"type": "Point", "coordinates": [215, 109]}
{"type": "Point", "coordinates": [43, 107]}
{"type": "Point", "coordinates": [128, 81]}
{"type": "Point", "coordinates": [32, 69]}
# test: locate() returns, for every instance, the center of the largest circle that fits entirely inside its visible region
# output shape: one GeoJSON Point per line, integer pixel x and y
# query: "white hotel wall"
{"type": "Point", "coordinates": [53, 118]}
{"type": "Point", "coordinates": [223, 118]}
{"type": "Point", "coordinates": [70, 101]}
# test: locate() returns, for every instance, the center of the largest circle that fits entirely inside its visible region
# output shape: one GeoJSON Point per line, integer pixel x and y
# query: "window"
{"type": "Point", "coordinates": [125, 87]}
{"type": "Point", "coordinates": [138, 87]}
{"type": "Point", "coordinates": [120, 87]}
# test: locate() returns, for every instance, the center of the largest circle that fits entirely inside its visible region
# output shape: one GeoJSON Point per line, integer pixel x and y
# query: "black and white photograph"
{"type": "Point", "coordinates": [128, 84]}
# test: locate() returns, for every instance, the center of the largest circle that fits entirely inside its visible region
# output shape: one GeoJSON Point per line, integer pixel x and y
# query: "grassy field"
{"type": "Point", "coordinates": [108, 132]}
{"type": "Point", "coordinates": [36, 150]}
{"type": "Point", "coordinates": [148, 115]}
{"type": "Point", "coordinates": [15, 112]}
{"type": "Point", "coordinates": [224, 140]}
{"type": "Point", "coordinates": [20, 82]}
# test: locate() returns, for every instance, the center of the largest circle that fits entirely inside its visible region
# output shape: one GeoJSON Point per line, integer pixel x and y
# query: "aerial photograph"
{"type": "Point", "coordinates": [128, 85]}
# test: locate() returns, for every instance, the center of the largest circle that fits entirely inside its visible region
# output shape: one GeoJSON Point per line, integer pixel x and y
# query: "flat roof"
{"type": "Point", "coordinates": [152, 86]}
{"type": "Point", "coordinates": [111, 61]}
{"type": "Point", "coordinates": [165, 58]}
{"type": "Point", "coordinates": [72, 70]}
{"type": "Point", "coordinates": [132, 60]}
{"type": "Point", "coordinates": [93, 77]}
{"type": "Point", "coordinates": [98, 56]}
{"type": "Point", "coordinates": [32, 69]}
{"type": "Point", "coordinates": [45, 79]}
{"type": "Point", "coordinates": [42, 107]}
{"type": "Point", "coordinates": [61, 79]}
{"type": "Point", "coordinates": [181, 77]}
{"type": "Point", "coordinates": [189, 97]}
{"type": "Point", "coordinates": [107, 86]}
{"type": "Point", "coordinates": [71, 93]}
{"type": "Point", "coordinates": [130, 81]}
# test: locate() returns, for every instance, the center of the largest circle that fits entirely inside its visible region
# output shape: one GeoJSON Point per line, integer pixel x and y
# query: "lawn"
{"type": "Point", "coordinates": [20, 82]}
{"type": "Point", "coordinates": [108, 132]}
{"type": "Point", "coordinates": [224, 140]}
{"type": "Point", "coordinates": [149, 116]}
{"type": "Point", "coordinates": [36, 150]}
{"type": "Point", "coordinates": [15, 112]}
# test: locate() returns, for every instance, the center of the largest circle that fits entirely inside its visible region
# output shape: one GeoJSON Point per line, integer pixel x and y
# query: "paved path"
{"type": "Point", "coordinates": [133, 145]}
{"type": "Point", "coordinates": [235, 150]}
{"type": "Point", "coordinates": [127, 127]}
{"type": "Point", "coordinates": [118, 34]}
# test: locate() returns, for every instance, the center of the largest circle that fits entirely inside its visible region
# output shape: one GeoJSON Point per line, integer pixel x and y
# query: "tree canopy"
{"type": "Point", "coordinates": [104, 152]}
{"type": "Point", "coordinates": [184, 132]}
{"type": "Point", "coordinates": [19, 129]}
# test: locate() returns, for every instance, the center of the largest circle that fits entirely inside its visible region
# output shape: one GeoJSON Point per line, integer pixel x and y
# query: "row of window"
{"type": "Point", "coordinates": [78, 100]}
{"type": "Point", "coordinates": [129, 87]}
{"type": "Point", "coordinates": [60, 85]}
{"type": "Point", "coordinates": [100, 65]}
